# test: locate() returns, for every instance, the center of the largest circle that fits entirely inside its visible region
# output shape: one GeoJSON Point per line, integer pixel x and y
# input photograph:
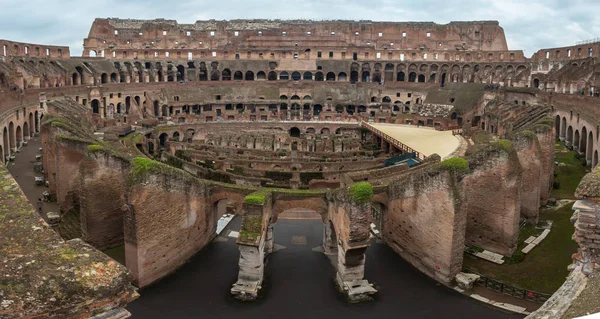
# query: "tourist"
{"type": "Point", "coordinates": [40, 205]}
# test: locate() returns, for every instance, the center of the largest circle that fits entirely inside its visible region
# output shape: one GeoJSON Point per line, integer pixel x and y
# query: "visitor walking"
{"type": "Point", "coordinates": [40, 205]}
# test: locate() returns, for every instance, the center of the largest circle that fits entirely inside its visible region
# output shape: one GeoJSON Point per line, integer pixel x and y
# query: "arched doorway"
{"type": "Point", "coordinates": [295, 132]}
{"type": "Point", "coordinates": [19, 136]}
{"type": "Point", "coordinates": [11, 135]}
{"type": "Point", "coordinates": [95, 106]}
{"type": "Point", "coordinates": [163, 139]}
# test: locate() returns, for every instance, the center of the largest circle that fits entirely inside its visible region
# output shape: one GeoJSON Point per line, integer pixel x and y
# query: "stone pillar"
{"type": "Point", "coordinates": [251, 241]}
{"type": "Point", "coordinates": [330, 245]}
{"type": "Point", "coordinates": [269, 240]}
{"type": "Point", "coordinates": [250, 275]}
{"type": "Point", "coordinates": [350, 274]}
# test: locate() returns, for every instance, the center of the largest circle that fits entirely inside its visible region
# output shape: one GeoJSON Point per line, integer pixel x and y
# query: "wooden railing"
{"type": "Point", "coordinates": [397, 144]}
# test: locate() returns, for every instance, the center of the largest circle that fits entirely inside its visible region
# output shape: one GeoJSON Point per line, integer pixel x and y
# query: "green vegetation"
{"type": "Point", "coordinates": [67, 254]}
{"type": "Point", "coordinates": [544, 269]}
{"type": "Point", "coordinates": [568, 173]}
{"type": "Point", "coordinates": [95, 148]}
{"type": "Point", "coordinates": [135, 138]}
{"type": "Point", "coordinates": [456, 164]}
{"type": "Point", "coordinates": [175, 162]}
{"type": "Point", "coordinates": [251, 229]}
{"type": "Point", "coordinates": [256, 198]}
{"type": "Point", "coordinates": [184, 155]}
{"type": "Point", "coordinates": [503, 144]}
{"type": "Point", "coordinates": [361, 192]}
{"type": "Point", "coordinates": [527, 133]}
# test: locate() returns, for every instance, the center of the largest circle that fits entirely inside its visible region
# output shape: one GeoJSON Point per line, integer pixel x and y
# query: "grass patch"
{"type": "Point", "coordinates": [544, 269]}
{"type": "Point", "coordinates": [361, 192]}
{"type": "Point", "coordinates": [256, 198]}
{"type": "Point", "coordinates": [455, 164]}
{"type": "Point", "coordinates": [568, 174]}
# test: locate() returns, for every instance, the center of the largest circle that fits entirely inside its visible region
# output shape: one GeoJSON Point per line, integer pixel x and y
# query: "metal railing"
{"type": "Point", "coordinates": [397, 144]}
{"type": "Point", "coordinates": [510, 290]}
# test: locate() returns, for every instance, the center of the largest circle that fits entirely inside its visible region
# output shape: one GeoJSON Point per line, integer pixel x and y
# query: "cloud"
{"type": "Point", "coordinates": [529, 25]}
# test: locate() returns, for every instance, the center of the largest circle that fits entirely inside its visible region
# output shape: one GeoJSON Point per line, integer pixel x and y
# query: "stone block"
{"type": "Point", "coordinates": [53, 218]}
{"type": "Point", "coordinates": [465, 281]}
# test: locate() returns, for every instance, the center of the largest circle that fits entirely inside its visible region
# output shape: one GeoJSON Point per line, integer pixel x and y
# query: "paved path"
{"type": "Point", "coordinates": [424, 140]}
{"type": "Point", "coordinates": [299, 285]}
{"type": "Point", "coordinates": [22, 170]}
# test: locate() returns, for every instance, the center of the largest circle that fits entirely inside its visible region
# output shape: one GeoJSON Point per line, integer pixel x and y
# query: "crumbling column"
{"type": "Point", "coordinates": [330, 245]}
{"type": "Point", "coordinates": [353, 241]}
{"type": "Point", "coordinates": [351, 272]}
{"type": "Point", "coordinates": [269, 240]}
{"type": "Point", "coordinates": [251, 241]}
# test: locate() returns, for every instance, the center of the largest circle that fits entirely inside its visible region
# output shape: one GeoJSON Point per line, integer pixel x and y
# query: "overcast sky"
{"type": "Point", "coordinates": [528, 24]}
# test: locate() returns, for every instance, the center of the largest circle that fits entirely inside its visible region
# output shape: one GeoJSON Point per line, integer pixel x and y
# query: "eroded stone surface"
{"type": "Point", "coordinates": [40, 273]}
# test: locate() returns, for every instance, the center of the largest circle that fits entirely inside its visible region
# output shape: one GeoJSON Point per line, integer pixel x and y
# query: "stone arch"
{"type": "Point", "coordinates": [284, 76]}
{"type": "Point", "coordinates": [330, 76]}
{"type": "Point", "coordinates": [104, 78]}
{"type": "Point", "coordinates": [583, 143]}
{"type": "Point", "coordinates": [324, 131]}
{"type": "Point", "coordinates": [294, 132]}
{"type": "Point", "coordinates": [261, 75]}
{"type": "Point", "coordinates": [563, 128]}
{"type": "Point", "coordinates": [590, 147]}
{"type": "Point", "coordinates": [412, 77]}
{"type": "Point", "coordinates": [95, 106]}
{"type": "Point", "coordinates": [307, 76]}
{"type": "Point", "coordinates": [342, 76]}
{"type": "Point", "coordinates": [238, 76]}
{"type": "Point", "coordinates": [229, 196]}
{"type": "Point", "coordinates": [366, 76]}
{"type": "Point", "coordinates": [400, 76]}
{"type": "Point", "coordinates": [296, 76]}
{"type": "Point", "coordinates": [272, 76]}
{"type": "Point", "coordinates": [19, 135]}
{"type": "Point", "coordinates": [595, 161]}
{"type": "Point", "coordinates": [5, 142]}
{"type": "Point", "coordinates": [163, 139]}
{"type": "Point", "coordinates": [176, 136]}
{"type": "Point", "coordinates": [557, 125]}
{"type": "Point", "coordinates": [284, 203]}
{"type": "Point", "coordinates": [226, 75]}
{"type": "Point", "coordinates": [249, 76]}
{"type": "Point", "coordinates": [25, 129]}
{"type": "Point", "coordinates": [31, 124]}
{"type": "Point", "coordinates": [576, 140]}
{"type": "Point", "coordinates": [37, 119]}
{"type": "Point", "coordinates": [570, 135]}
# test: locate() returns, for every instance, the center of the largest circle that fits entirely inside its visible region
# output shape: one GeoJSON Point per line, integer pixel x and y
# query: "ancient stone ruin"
{"type": "Point", "coordinates": [162, 128]}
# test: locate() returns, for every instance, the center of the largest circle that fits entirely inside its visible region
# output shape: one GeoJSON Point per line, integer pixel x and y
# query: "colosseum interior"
{"type": "Point", "coordinates": [160, 131]}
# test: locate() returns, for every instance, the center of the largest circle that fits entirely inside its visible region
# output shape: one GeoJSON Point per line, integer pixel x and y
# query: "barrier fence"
{"type": "Point", "coordinates": [507, 289]}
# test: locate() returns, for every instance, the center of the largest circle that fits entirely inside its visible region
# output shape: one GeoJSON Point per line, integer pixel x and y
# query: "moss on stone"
{"type": "Point", "coordinates": [135, 138]}
{"type": "Point", "coordinates": [542, 128]}
{"type": "Point", "coordinates": [455, 164]}
{"type": "Point", "coordinates": [256, 198]}
{"type": "Point", "coordinates": [251, 229]}
{"type": "Point", "coordinates": [502, 144]}
{"type": "Point", "coordinates": [361, 192]}
{"type": "Point", "coordinates": [95, 148]}
{"type": "Point", "coordinates": [74, 138]}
